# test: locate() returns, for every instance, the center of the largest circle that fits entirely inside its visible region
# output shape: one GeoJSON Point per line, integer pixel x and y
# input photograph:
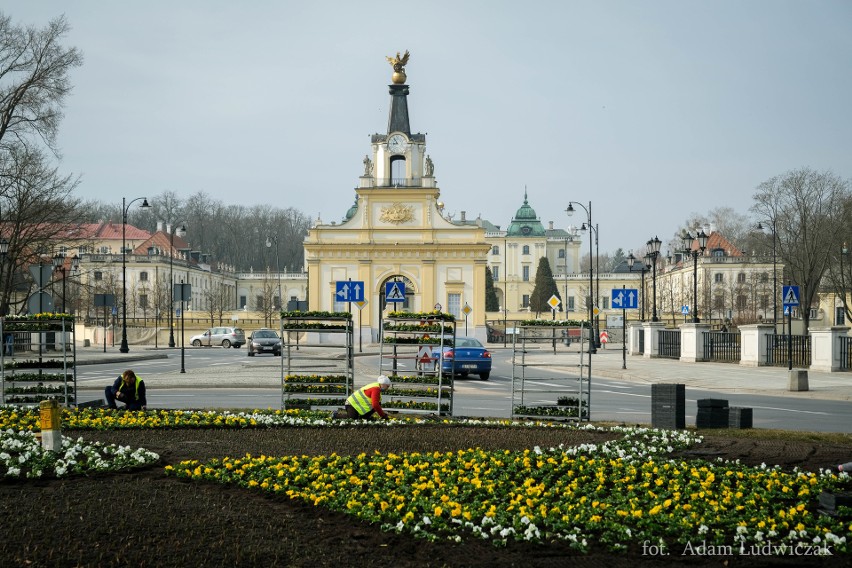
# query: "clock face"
{"type": "Point", "coordinates": [396, 143]}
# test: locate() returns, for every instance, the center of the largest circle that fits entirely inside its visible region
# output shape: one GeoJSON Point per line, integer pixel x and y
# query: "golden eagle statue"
{"type": "Point", "coordinates": [398, 63]}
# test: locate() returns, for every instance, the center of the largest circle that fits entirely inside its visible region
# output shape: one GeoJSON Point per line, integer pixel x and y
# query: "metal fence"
{"type": "Point", "coordinates": [779, 351]}
{"type": "Point", "coordinates": [722, 346]}
{"type": "Point", "coordinates": [669, 343]}
{"type": "Point", "coordinates": [845, 353]}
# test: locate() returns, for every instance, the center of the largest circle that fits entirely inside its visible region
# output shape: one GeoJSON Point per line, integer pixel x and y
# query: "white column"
{"type": "Point", "coordinates": [692, 341]}
{"type": "Point", "coordinates": [652, 338]}
{"type": "Point", "coordinates": [753, 343]}
{"type": "Point", "coordinates": [825, 348]}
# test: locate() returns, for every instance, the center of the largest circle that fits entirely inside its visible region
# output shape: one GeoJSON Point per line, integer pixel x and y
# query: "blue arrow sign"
{"type": "Point", "coordinates": [625, 298]}
{"type": "Point", "coordinates": [791, 296]}
{"type": "Point", "coordinates": [394, 291]}
{"type": "Point", "coordinates": [349, 291]}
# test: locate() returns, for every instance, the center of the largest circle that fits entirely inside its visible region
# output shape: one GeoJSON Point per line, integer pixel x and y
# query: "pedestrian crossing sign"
{"type": "Point", "coordinates": [791, 296]}
{"type": "Point", "coordinates": [394, 291]}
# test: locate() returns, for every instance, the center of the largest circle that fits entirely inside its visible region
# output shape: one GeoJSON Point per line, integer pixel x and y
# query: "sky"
{"type": "Point", "coordinates": [647, 110]}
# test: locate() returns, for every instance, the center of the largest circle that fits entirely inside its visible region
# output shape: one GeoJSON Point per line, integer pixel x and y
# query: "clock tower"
{"type": "Point", "coordinates": [397, 231]}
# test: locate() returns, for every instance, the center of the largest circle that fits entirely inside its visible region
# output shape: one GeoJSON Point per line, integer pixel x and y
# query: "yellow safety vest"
{"type": "Point", "coordinates": [360, 401]}
{"type": "Point", "coordinates": [138, 381]}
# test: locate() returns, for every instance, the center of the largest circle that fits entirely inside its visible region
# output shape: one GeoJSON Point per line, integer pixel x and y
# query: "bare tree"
{"type": "Point", "coordinates": [806, 209]}
{"type": "Point", "coordinates": [34, 198]}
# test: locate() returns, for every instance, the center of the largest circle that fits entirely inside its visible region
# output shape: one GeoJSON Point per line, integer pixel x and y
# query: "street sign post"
{"type": "Point", "coordinates": [349, 291]}
{"type": "Point", "coordinates": [791, 298]}
{"type": "Point", "coordinates": [394, 291]}
{"type": "Point", "coordinates": [466, 310]}
{"type": "Point", "coordinates": [625, 298]}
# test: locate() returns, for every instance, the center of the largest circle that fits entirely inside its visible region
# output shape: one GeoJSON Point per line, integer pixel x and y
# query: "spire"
{"type": "Point", "coordinates": [398, 119]}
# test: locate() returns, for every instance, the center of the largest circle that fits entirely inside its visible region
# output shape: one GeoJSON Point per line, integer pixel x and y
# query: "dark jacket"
{"type": "Point", "coordinates": [134, 395]}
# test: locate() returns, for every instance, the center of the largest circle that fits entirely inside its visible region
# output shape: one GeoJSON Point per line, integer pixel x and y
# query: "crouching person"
{"type": "Point", "coordinates": [129, 389]}
{"type": "Point", "coordinates": [368, 400]}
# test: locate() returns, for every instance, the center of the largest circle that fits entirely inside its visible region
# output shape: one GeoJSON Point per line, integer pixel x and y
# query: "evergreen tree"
{"type": "Point", "coordinates": [492, 304]}
{"type": "Point", "coordinates": [545, 287]}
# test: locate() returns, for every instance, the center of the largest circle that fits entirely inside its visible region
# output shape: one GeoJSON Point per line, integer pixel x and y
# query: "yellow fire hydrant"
{"type": "Point", "coordinates": [51, 435]}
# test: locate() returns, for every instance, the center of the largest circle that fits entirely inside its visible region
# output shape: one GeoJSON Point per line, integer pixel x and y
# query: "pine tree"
{"type": "Point", "coordinates": [492, 304]}
{"type": "Point", "coordinates": [545, 287]}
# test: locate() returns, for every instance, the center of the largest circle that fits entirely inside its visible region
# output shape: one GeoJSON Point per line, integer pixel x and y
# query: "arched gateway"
{"type": "Point", "coordinates": [397, 231]}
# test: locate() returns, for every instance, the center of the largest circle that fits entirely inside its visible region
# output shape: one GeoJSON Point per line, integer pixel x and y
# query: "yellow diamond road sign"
{"type": "Point", "coordinates": [467, 309]}
{"type": "Point", "coordinates": [596, 311]}
{"type": "Point", "coordinates": [554, 302]}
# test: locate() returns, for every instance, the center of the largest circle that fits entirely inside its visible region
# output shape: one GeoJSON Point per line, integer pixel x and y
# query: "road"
{"type": "Point", "coordinates": [611, 399]}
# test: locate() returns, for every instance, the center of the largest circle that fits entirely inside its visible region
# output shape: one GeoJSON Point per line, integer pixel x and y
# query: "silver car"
{"type": "Point", "coordinates": [264, 341]}
{"type": "Point", "coordinates": [224, 336]}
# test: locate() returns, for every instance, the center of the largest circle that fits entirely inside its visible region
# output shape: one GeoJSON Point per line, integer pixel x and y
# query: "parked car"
{"type": "Point", "coordinates": [264, 341]}
{"type": "Point", "coordinates": [469, 355]}
{"type": "Point", "coordinates": [224, 336]}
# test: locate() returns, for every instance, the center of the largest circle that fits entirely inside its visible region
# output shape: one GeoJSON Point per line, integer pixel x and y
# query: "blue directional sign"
{"type": "Point", "coordinates": [349, 291]}
{"type": "Point", "coordinates": [625, 298]}
{"type": "Point", "coordinates": [791, 296]}
{"type": "Point", "coordinates": [394, 291]}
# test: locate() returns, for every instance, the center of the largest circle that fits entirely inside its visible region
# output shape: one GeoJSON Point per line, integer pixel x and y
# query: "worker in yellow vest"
{"type": "Point", "coordinates": [368, 399]}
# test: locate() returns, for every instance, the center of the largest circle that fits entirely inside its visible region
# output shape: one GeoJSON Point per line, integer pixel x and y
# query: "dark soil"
{"type": "Point", "coordinates": [147, 519]}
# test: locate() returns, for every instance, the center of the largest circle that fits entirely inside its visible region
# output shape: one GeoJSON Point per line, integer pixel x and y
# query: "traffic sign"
{"type": "Point", "coordinates": [424, 354]}
{"type": "Point", "coordinates": [467, 309]}
{"type": "Point", "coordinates": [554, 302]}
{"type": "Point", "coordinates": [361, 304]}
{"type": "Point", "coordinates": [791, 296]}
{"type": "Point", "coordinates": [349, 291]}
{"type": "Point", "coordinates": [625, 298]}
{"type": "Point", "coordinates": [684, 310]}
{"type": "Point", "coordinates": [394, 291]}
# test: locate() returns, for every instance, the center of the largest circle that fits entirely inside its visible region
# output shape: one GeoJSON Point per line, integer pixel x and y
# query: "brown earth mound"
{"type": "Point", "coordinates": [148, 519]}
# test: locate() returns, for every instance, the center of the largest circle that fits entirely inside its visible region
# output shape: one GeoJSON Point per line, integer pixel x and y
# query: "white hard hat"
{"type": "Point", "coordinates": [383, 380]}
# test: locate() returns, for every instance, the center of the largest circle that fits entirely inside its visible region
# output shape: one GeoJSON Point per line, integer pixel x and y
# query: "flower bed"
{"type": "Point", "coordinates": [22, 456]}
{"type": "Point", "coordinates": [614, 493]}
{"type": "Point", "coordinates": [559, 411]}
{"type": "Point", "coordinates": [330, 379]}
{"type": "Point", "coordinates": [422, 315]}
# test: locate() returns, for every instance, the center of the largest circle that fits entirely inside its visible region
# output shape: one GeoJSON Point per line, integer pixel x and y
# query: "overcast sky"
{"type": "Point", "coordinates": [650, 109]}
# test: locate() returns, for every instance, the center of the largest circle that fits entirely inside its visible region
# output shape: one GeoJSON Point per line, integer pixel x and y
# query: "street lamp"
{"type": "Point", "coordinates": [597, 337]}
{"type": "Point", "coordinates": [59, 266]}
{"type": "Point", "coordinates": [653, 253]}
{"type": "Point", "coordinates": [844, 250]}
{"type": "Point", "coordinates": [774, 277]}
{"type": "Point", "coordinates": [180, 231]}
{"type": "Point", "coordinates": [688, 242]}
{"type": "Point", "coordinates": [124, 208]}
{"type": "Point", "coordinates": [570, 211]}
{"type": "Point", "coordinates": [269, 241]}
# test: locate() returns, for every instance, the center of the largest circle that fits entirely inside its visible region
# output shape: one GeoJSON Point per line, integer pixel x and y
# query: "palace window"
{"type": "Point", "coordinates": [718, 278]}
{"type": "Point", "coordinates": [495, 273]}
{"type": "Point", "coordinates": [526, 275]}
{"type": "Point", "coordinates": [526, 249]}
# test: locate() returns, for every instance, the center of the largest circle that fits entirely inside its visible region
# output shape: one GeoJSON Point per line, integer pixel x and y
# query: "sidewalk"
{"type": "Point", "coordinates": [608, 363]}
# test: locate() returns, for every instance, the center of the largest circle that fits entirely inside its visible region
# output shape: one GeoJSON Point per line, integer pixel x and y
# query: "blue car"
{"type": "Point", "coordinates": [468, 356]}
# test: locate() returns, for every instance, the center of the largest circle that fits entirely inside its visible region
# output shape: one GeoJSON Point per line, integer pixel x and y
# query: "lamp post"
{"type": "Point", "coordinates": [505, 289]}
{"type": "Point", "coordinates": [653, 253]}
{"type": "Point", "coordinates": [180, 231]}
{"type": "Point", "coordinates": [570, 211]}
{"type": "Point", "coordinates": [597, 290]}
{"type": "Point", "coordinates": [844, 250]}
{"type": "Point", "coordinates": [124, 208]}
{"type": "Point", "coordinates": [774, 277]}
{"type": "Point", "coordinates": [269, 241]}
{"type": "Point", "coordinates": [688, 242]}
{"type": "Point", "coordinates": [631, 260]}
{"type": "Point", "coordinates": [59, 266]}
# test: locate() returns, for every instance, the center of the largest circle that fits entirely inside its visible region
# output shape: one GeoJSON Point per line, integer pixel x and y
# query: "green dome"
{"type": "Point", "coordinates": [526, 222]}
{"type": "Point", "coordinates": [352, 210]}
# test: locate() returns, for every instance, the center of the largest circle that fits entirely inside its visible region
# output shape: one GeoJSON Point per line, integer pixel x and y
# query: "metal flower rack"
{"type": "Point", "coordinates": [547, 384]}
{"type": "Point", "coordinates": [37, 360]}
{"type": "Point", "coordinates": [412, 355]}
{"type": "Point", "coordinates": [317, 371]}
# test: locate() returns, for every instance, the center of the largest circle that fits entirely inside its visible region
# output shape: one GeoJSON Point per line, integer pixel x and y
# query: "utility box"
{"type": "Point", "coordinates": [712, 413]}
{"type": "Point", "coordinates": [668, 406]}
{"type": "Point", "coordinates": [739, 418]}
